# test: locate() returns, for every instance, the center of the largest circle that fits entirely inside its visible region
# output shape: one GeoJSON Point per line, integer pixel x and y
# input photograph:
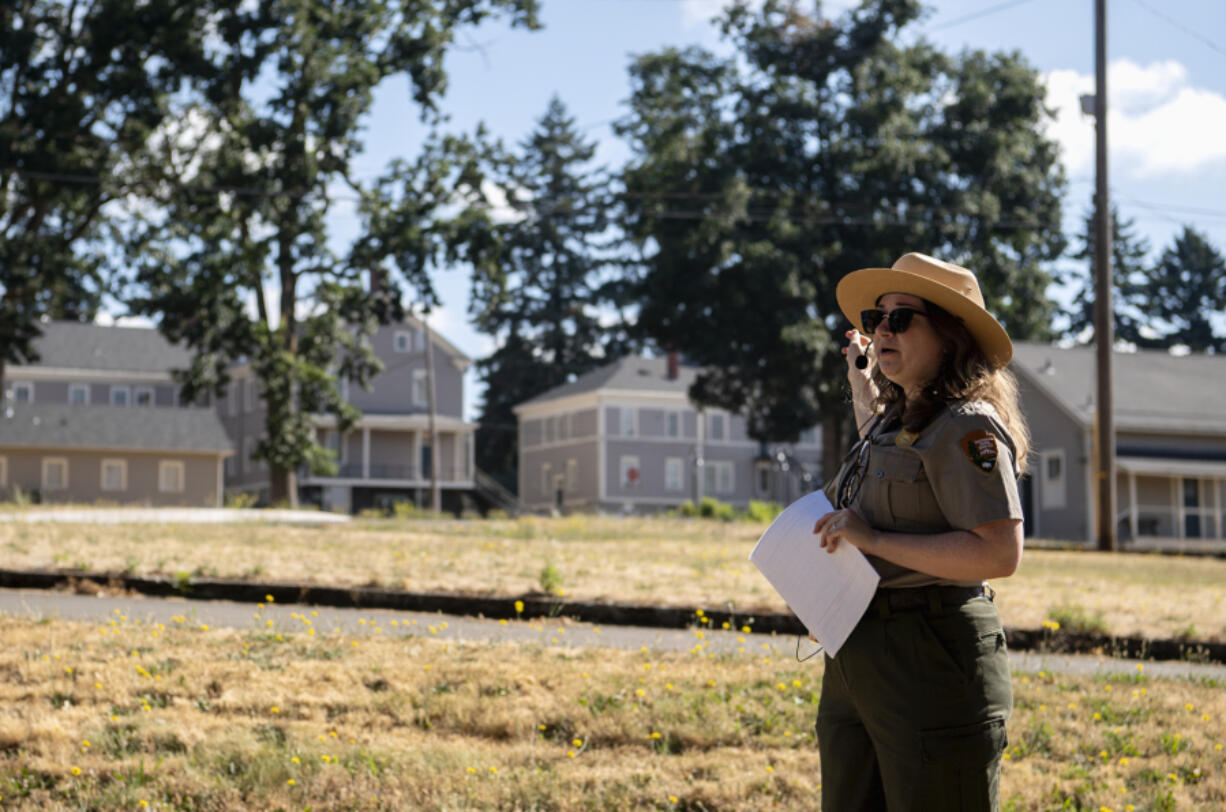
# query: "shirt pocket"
{"type": "Point", "coordinates": [908, 498]}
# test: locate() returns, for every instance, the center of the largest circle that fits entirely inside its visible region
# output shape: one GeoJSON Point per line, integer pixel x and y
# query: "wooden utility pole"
{"type": "Point", "coordinates": [1104, 330]}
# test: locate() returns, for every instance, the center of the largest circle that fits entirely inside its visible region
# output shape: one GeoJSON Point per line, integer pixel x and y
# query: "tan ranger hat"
{"type": "Point", "coordinates": [946, 285]}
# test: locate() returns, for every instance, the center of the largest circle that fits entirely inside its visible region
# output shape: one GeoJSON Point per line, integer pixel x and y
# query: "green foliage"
{"type": "Point", "coordinates": [1185, 287]}
{"type": "Point", "coordinates": [541, 286]}
{"type": "Point", "coordinates": [712, 508]}
{"type": "Point", "coordinates": [762, 512]}
{"type": "Point", "coordinates": [283, 95]}
{"type": "Point", "coordinates": [550, 579]}
{"type": "Point", "coordinates": [1075, 620]}
{"type": "Point", "coordinates": [821, 146]}
{"type": "Point", "coordinates": [86, 87]}
{"type": "Point", "coordinates": [1129, 269]}
{"type": "Point", "coordinates": [241, 500]}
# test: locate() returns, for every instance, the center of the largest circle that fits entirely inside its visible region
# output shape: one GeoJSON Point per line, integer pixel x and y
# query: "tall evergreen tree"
{"type": "Point", "coordinates": [541, 300]}
{"type": "Point", "coordinates": [272, 133]}
{"type": "Point", "coordinates": [1129, 270]}
{"type": "Point", "coordinates": [82, 87]}
{"type": "Point", "coordinates": [822, 146]}
{"type": "Point", "coordinates": [1185, 288]}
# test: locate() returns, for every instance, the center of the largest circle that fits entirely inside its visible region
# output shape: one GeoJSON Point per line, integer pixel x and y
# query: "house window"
{"type": "Point", "coordinates": [249, 394]}
{"type": "Point", "coordinates": [551, 429]}
{"type": "Point", "coordinates": [572, 476]}
{"type": "Point", "coordinates": [627, 421]}
{"type": "Point", "coordinates": [231, 465]}
{"type": "Point", "coordinates": [715, 427]}
{"type": "Point", "coordinates": [249, 461]}
{"type": "Point", "coordinates": [421, 395]}
{"type": "Point", "coordinates": [717, 476]}
{"type": "Point", "coordinates": [1054, 484]}
{"type": "Point", "coordinates": [808, 437]}
{"type": "Point", "coordinates": [674, 474]}
{"type": "Point", "coordinates": [564, 427]}
{"type": "Point", "coordinates": [114, 475]}
{"type": "Point", "coordinates": [55, 474]}
{"type": "Point", "coordinates": [420, 334]}
{"type": "Point", "coordinates": [143, 396]}
{"type": "Point", "coordinates": [121, 395]}
{"type": "Point", "coordinates": [403, 341]}
{"type": "Point", "coordinates": [546, 480]}
{"type": "Point", "coordinates": [232, 398]}
{"type": "Point", "coordinates": [23, 392]}
{"type": "Point", "coordinates": [764, 480]}
{"type": "Point", "coordinates": [672, 424]}
{"type": "Point", "coordinates": [78, 393]}
{"type": "Point", "coordinates": [170, 476]}
{"type": "Point", "coordinates": [630, 472]}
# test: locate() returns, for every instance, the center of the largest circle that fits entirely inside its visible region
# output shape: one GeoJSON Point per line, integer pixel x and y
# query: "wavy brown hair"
{"type": "Point", "coordinates": [965, 375]}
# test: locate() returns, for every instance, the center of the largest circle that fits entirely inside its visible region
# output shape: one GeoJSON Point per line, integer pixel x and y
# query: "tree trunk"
{"type": "Point", "coordinates": [282, 487]}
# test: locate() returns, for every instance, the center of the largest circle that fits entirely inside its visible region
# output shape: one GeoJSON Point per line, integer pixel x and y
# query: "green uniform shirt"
{"type": "Point", "coordinates": [956, 474]}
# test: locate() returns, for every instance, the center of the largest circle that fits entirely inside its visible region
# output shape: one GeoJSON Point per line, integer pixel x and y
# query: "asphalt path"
{"type": "Point", "coordinates": [40, 604]}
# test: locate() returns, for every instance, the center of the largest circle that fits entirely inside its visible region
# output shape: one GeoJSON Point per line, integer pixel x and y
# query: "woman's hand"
{"type": "Point", "coordinates": [844, 525]}
{"type": "Point", "coordinates": [863, 390]}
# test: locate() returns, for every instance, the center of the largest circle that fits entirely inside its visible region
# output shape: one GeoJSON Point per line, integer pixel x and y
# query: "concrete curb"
{"type": "Point", "coordinates": [537, 605]}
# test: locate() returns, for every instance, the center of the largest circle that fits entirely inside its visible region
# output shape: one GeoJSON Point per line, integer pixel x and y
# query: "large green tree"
{"type": "Point", "coordinates": [83, 85]}
{"type": "Point", "coordinates": [1130, 268]}
{"type": "Point", "coordinates": [1185, 288]}
{"type": "Point", "coordinates": [541, 297]}
{"type": "Point", "coordinates": [821, 146]}
{"type": "Point", "coordinates": [240, 263]}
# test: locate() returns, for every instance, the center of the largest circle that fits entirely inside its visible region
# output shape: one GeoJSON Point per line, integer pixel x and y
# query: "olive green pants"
{"type": "Point", "coordinates": [913, 711]}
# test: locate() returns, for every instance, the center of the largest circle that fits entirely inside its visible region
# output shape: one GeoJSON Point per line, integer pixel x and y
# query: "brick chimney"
{"type": "Point", "coordinates": [674, 366]}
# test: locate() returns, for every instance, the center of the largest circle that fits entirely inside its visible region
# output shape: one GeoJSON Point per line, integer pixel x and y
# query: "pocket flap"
{"type": "Point", "coordinates": [971, 744]}
{"type": "Point", "coordinates": [899, 467]}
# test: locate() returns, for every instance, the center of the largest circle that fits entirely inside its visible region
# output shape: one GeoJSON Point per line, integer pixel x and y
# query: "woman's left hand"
{"type": "Point", "coordinates": [844, 525]}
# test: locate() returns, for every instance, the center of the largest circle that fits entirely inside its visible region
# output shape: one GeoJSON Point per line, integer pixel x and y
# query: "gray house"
{"type": "Point", "coordinates": [98, 418]}
{"type": "Point", "coordinates": [387, 457]}
{"type": "Point", "coordinates": [1170, 444]}
{"type": "Point", "coordinates": [626, 438]}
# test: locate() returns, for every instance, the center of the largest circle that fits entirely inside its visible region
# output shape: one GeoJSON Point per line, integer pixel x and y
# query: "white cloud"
{"type": "Point", "coordinates": [1157, 123]}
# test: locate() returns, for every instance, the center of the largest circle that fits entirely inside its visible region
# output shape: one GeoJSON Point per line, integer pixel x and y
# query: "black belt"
{"type": "Point", "coordinates": [927, 597]}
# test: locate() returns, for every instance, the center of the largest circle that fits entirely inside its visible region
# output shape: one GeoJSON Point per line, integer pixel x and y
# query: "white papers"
{"type": "Point", "coordinates": [828, 591]}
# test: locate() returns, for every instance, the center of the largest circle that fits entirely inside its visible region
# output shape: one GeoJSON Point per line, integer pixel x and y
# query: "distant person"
{"type": "Point", "coordinates": [913, 709]}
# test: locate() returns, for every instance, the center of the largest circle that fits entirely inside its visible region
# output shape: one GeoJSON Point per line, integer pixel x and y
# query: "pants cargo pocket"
{"type": "Point", "coordinates": [961, 767]}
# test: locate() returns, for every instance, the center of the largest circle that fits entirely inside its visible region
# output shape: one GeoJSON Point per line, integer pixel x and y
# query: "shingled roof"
{"type": "Point", "coordinates": [1153, 390]}
{"type": "Point", "coordinates": [628, 374]}
{"type": "Point", "coordinates": [73, 345]}
{"type": "Point", "coordinates": [83, 427]}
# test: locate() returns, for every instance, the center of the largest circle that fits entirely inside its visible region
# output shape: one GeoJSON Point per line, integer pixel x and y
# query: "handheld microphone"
{"type": "Point", "coordinates": [861, 361]}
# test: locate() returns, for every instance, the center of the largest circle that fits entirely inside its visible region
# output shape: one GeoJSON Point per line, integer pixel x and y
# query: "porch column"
{"type": "Point", "coordinates": [1177, 497]}
{"type": "Point", "coordinates": [366, 452]}
{"type": "Point", "coordinates": [471, 444]}
{"type": "Point", "coordinates": [1217, 509]}
{"type": "Point", "coordinates": [415, 469]}
{"type": "Point", "coordinates": [455, 456]}
{"type": "Point", "coordinates": [1133, 522]}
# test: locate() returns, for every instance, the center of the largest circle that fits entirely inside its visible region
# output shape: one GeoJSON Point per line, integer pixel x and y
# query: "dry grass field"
{"type": "Point", "coordinates": [165, 714]}
{"type": "Point", "coordinates": [674, 561]}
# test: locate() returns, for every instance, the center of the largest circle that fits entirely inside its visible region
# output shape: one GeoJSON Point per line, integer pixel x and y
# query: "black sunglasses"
{"type": "Point", "coordinates": [898, 319]}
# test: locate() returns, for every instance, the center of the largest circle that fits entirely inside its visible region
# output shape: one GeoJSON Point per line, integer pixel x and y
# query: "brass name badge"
{"type": "Point", "coordinates": [906, 439]}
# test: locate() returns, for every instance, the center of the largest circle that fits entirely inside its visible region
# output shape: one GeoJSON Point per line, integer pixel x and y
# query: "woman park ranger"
{"type": "Point", "coordinates": [913, 709]}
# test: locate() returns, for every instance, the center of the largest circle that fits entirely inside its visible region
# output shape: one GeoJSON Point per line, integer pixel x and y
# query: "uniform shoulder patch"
{"type": "Point", "coordinates": [980, 448]}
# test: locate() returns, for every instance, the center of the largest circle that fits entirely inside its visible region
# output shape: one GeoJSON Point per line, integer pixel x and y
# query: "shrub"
{"type": "Point", "coordinates": [550, 579]}
{"type": "Point", "coordinates": [1075, 620]}
{"type": "Point", "coordinates": [762, 512]}
{"type": "Point", "coordinates": [712, 508]}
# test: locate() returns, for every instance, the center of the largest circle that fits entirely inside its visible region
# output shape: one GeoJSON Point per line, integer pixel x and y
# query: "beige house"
{"type": "Point", "coordinates": [1170, 445]}
{"type": "Point", "coordinates": [97, 419]}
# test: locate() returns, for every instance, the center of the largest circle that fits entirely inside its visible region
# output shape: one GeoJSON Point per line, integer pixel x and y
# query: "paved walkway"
{"type": "Point", "coordinates": [547, 631]}
{"type": "Point", "coordinates": [127, 515]}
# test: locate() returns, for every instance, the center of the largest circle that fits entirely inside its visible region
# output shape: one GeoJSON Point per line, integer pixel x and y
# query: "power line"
{"type": "Point", "coordinates": [1185, 29]}
{"type": "Point", "coordinates": [966, 18]}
